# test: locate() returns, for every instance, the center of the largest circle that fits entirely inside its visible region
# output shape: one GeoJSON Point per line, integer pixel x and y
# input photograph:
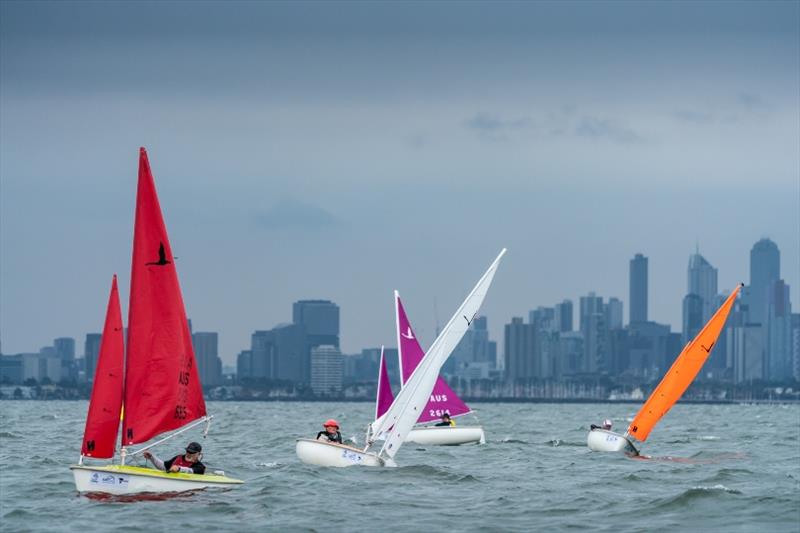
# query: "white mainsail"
{"type": "Point", "coordinates": [398, 421]}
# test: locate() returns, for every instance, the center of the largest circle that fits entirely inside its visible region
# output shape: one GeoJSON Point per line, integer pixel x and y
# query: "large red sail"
{"type": "Point", "coordinates": [162, 386]}
{"type": "Point", "coordinates": [102, 422]}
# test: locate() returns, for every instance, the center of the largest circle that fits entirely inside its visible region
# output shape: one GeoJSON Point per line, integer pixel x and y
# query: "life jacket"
{"type": "Point", "coordinates": [180, 461]}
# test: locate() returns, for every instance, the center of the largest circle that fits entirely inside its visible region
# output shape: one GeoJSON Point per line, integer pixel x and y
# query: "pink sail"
{"type": "Point", "coordinates": [385, 395]}
{"type": "Point", "coordinates": [443, 399]}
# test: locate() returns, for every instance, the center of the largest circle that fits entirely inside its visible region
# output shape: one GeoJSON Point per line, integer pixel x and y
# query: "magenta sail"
{"type": "Point", "coordinates": [385, 396]}
{"type": "Point", "coordinates": [443, 399]}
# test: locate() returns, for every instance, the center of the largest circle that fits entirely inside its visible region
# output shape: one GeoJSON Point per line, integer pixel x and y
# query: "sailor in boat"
{"type": "Point", "coordinates": [606, 425]}
{"type": "Point", "coordinates": [188, 463]}
{"type": "Point", "coordinates": [331, 432]}
{"type": "Point", "coordinates": [446, 421]}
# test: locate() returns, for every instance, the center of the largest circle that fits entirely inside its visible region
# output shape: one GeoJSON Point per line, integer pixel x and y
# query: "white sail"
{"type": "Point", "coordinates": [398, 421]}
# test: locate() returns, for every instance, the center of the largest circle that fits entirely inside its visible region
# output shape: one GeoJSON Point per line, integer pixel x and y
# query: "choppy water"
{"type": "Point", "coordinates": [714, 468]}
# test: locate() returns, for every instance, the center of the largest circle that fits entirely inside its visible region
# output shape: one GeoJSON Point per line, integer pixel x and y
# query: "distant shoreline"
{"type": "Point", "coordinates": [467, 400]}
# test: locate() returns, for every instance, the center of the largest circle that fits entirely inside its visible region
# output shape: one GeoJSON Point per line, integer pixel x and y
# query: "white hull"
{"type": "Point", "coordinates": [447, 436]}
{"type": "Point", "coordinates": [319, 453]}
{"type": "Point", "coordinates": [601, 440]}
{"type": "Point", "coordinates": [120, 480]}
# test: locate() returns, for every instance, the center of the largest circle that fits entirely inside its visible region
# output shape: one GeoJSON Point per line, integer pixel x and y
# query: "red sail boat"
{"type": "Point", "coordinates": [161, 386]}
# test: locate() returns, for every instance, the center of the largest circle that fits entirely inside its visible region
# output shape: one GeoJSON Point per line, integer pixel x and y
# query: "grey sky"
{"type": "Point", "coordinates": [344, 150]}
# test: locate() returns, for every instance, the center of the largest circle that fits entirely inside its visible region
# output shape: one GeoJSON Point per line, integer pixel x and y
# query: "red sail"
{"type": "Point", "coordinates": [102, 422]}
{"type": "Point", "coordinates": [162, 387]}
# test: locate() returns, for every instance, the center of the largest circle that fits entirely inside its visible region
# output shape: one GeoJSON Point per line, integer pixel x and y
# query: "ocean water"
{"type": "Point", "coordinates": [710, 468]}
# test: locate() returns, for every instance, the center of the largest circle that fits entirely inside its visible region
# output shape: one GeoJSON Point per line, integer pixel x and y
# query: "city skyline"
{"type": "Point", "coordinates": [344, 151]}
{"type": "Point", "coordinates": [497, 324]}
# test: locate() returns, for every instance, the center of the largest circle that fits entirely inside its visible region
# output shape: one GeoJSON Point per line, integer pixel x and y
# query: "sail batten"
{"type": "Point", "coordinates": [682, 372]}
{"type": "Point", "coordinates": [105, 404]}
{"type": "Point", "coordinates": [162, 385]}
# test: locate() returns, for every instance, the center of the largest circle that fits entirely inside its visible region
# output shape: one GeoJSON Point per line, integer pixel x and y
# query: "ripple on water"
{"type": "Point", "coordinates": [695, 494]}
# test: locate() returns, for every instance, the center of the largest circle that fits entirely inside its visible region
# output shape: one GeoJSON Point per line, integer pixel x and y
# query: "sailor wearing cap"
{"type": "Point", "coordinates": [331, 432]}
{"type": "Point", "coordinates": [188, 463]}
{"type": "Point", "coordinates": [606, 425]}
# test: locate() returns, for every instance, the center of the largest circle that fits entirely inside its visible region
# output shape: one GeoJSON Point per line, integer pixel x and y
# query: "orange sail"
{"type": "Point", "coordinates": [162, 386]}
{"type": "Point", "coordinates": [681, 373]}
{"type": "Point", "coordinates": [102, 422]}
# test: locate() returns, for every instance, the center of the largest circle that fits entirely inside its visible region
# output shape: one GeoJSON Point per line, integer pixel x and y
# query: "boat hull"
{"type": "Point", "coordinates": [120, 480]}
{"type": "Point", "coordinates": [447, 436]}
{"type": "Point", "coordinates": [601, 440]}
{"type": "Point", "coordinates": [319, 453]}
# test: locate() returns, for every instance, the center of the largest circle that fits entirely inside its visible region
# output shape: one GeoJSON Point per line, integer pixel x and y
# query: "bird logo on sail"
{"type": "Point", "coordinates": [162, 257]}
{"type": "Point", "coordinates": [409, 335]}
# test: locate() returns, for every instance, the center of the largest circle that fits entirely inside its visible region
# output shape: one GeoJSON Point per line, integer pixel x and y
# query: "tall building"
{"type": "Point", "coordinates": [564, 316]}
{"type": "Point", "coordinates": [65, 348]}
{"type": "Point", "coordinates": [702, 281]}
{"type": "Point", "coordinates": [796, 346]}
{"type": "Point", "coordinates": [244, 365]}
{"type": "Point", "coordinates": [326, 370]}
{"type": "Point", "coordinates": [638, 288]}
{"type": "Point", "coordinates": [595, 333]}
{"type": "Point", "coordinates": [475, 355]}
{"type": "Point", "coordinates": [545, 349]}
{"type": "Point", "coordinates": [91, 351]}
{"type": "Point", "coordinates": [281, 353]}
{"type": "Point", "coordinates": [614, 313]}
{"type": "Point", "coordinates": [765, 269]}
{"type": "Point", "coordinates": [209, 365]}
{"type": "Point", "coordinates": [692, 316]}
{"type": "Point", "coordinates": [778, 333]}
{"type": "Point", "coordinates": [519, 350]}
{"type": "Point", "coordinates": [320, 318]}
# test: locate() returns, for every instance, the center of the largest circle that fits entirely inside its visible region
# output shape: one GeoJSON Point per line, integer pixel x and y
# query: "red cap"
{"type": "Point", "coordinates": [331, 422]}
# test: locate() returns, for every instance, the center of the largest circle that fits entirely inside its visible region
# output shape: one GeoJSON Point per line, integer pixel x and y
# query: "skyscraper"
{"type": "Point", "coordinates": [65, 348]}
{"type": "Point", "coordinates": [638, 288]}
{"type": "Point", "coordinates": [702, 281]}
{"type": "Point", "coordinates": [564, 316]}
{"type": "Point", "coordinates": [779, 332]}
{"type": "Point", "coordinates": [595, 333]}
{"type": "Point", "coordinates": [519, 350]}
{"type": "Point", "coordinates": [209, 365]}
{"type": "Point", "coordinates": [91, 350]}
{"type": "Point", "coordinates": [613, 310]}
{"type": "Point", "coordinates": [326, 370]}
{"type": "Point", "coordinates": [692, 316]}
{"type": "Point", "coordinates": [765, 269]}
{"type": "Point", "coordinates": [320, 319]}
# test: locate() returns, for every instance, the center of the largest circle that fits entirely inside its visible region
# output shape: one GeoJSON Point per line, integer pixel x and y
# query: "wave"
{"type": "Point", "coordinates": [558, 442]}
{"type": "Point", "coordinates": [9, 435]}
{"type": "Point", "coordinates": [509, 440]}
{"type": "Point", "coordinates": [696, 493]}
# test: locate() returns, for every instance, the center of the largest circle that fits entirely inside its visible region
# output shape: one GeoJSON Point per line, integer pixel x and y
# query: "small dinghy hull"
{"type": "Point", "coordinates": [447, 436]}
{"type": "Point", "coordinates": [121, 480]}
{"type": "Point", "coordinates": [319, 453]}
{"type": "Point", "coordinates": [601, 440]}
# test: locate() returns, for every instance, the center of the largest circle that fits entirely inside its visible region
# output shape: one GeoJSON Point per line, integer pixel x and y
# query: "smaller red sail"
{"type": "Point", "coordinates": [162, 385]}
{"type": "Point", "coordinates": [102, 422]}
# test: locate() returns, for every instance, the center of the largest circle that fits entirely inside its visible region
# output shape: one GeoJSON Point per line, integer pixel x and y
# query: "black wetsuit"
{"type": "Point", "coordinates": [442, 424]}
{"type": "Point", "coordinates": [331, 438]}
{"type": "Point", "coordinates": [197, 468]}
